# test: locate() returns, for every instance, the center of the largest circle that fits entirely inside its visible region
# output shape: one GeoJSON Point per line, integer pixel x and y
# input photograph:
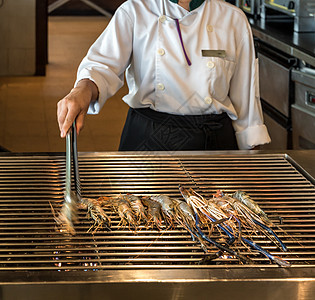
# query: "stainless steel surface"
{"type": "Point", "coordinates": [301, 10]}
{"type": "Point", "coordinates": [36, 260]}
{"type": "Point", "coordinates": [285, 6]}
{"type": "Point", "coordinates": [304, 81]}
{"type": "Point", "coordinates": [252, 7]}
{"type": "Point", "coordinates": [274, 83]}
{"type": "Point", "coordinates": [303, 128]}
{"type": "Point", "coordinates": [304, 20]}
{"type": "Point", "coordinates": [278, 135]}
{"type": "Point", "coordinates": [68, 184]}
{"type": "Point", "coordinates": [71, 199]}
{"type": "Point", "coordinates": [289, 45]}
{"type": "Point", "coordinates": [303, 110]}
{"type": "Point", "coordinates": [305, 158]}
{"type": "Point", "coordinates": [77, 182]}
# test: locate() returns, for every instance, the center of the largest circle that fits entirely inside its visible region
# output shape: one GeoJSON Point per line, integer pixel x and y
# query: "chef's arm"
{"type": "Point", "coordinates": [75, 105]}
{"type": "Point", "coordinates": [100, 74]}
{"type": "Point", "coordinates": [108, 58]}
{"type": "Point", "coordinates": [244, 93]}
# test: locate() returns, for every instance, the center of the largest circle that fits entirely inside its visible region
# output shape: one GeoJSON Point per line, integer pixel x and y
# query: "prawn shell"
{"type": "Point", "coordinates": [251, 204]}
{"type": "Point", "coordinates": [154, 210]}
{"type": "Point", "coordinates": [167, 205]}
{"type": "Point", "coordinates": [123, 208]}
{"type": "Point", "coordinates": [137, 206]}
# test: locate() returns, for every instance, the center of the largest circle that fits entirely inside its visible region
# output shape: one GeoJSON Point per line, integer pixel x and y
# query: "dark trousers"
{"type": "Point", "coordinates": [148, 130]}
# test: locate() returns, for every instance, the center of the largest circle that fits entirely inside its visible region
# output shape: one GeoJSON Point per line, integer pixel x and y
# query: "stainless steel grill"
{"type": "Point", "coordinates": [30, 185]}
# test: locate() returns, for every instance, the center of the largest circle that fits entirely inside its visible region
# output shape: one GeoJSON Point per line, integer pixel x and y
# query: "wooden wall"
{"type": "Point", "coordinates": [18, 38]}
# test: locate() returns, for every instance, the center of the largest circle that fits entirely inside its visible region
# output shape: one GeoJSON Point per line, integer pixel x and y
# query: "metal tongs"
{"type": "Point", "coordinates": [69, 212]}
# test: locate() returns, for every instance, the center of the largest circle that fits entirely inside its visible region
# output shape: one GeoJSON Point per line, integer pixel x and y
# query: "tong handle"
{"type": "Point", "coordinates": [72, 161]}
{"type": "Point", "coordinates": [68, 164]}
{"type": "Point", "coordinates": [77, 182]}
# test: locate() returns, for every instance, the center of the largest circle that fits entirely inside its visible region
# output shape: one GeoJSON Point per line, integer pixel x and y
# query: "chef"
{"type": "Point", "coordinates": [191, 71]}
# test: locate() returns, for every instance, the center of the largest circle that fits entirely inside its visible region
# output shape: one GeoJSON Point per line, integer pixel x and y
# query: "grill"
{"type": "Point", "coordinates": [32, 252]}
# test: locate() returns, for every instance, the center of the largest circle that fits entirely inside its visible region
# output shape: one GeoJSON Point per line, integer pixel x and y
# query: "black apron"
{"type": "Point", "coordinates": [148, 130]}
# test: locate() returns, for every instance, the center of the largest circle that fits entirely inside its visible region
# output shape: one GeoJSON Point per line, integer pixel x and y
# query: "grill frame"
{"type": "Point", "coordinates": [149, 273]}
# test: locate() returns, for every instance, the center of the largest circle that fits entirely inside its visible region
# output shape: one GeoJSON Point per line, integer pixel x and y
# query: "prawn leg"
{"type": "Point", "coordinates": [275, 259]}
{"type": "Point", "coordinates": [219, 246]}
{"type": "Point", "coordinates": [251, 204]}
{"type": "Point", "coordinates": [283, 246]}
{"type": "Point", "coordinates": [219, 222]}
{"type": "Point", "coordinates": [279, 261]}
{"type": "Point", "coordinates": [96, 213]}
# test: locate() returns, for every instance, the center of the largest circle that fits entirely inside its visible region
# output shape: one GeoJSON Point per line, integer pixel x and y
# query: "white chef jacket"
{"type": "Point", "coordinates": [142, 40]}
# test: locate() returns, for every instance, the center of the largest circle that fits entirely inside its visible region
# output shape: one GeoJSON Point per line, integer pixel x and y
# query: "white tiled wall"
{"type": "Point", "coordinates": [17, 32]}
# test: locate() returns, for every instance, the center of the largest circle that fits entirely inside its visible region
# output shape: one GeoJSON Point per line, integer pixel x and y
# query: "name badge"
{"type": "Point", "coordinates": [213, 53]}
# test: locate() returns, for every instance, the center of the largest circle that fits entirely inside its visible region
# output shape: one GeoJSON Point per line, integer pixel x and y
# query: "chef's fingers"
{"type": "Point", "coordinates": [74, 105]}
{"type": "Point", "coordinates": [67, 111]}
{"type": "Point", "coordinates": [80, 121]}
{"type": "Point", "coordinates": [71, 115]}
{"type": "Point", "coordinates": [61, 113]}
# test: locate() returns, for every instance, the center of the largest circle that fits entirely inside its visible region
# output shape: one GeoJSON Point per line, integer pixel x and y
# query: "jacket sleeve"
{"type": "Point", "coordinates": [108, 58]}
{"type": "Point", "coordinates": [244, 94]}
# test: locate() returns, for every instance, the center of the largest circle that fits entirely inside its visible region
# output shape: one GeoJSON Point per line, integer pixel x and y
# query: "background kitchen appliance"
{"type": "Point", "coordinates": [276, 94]}
{"type": "Point", "coordinates": [251, 7]}
{"type": "Point", "coordinates": [303, 12]}
{"type": "Point", "coordinates": [303, 109]}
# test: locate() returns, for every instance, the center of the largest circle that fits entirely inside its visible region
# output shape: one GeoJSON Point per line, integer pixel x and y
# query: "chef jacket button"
{"type": "Point", "coordinates": [209, 28]}
{"type": "Point", "coordinates": [161, 51]}
{"type": "Point", "coordinates": [208, 100]}
{"type": "Point", "coordinates": [160, 86]}
{"type": "Point", "coordinates": [162, 19]}
{"type": "Point", "coordinates": [210, 64]}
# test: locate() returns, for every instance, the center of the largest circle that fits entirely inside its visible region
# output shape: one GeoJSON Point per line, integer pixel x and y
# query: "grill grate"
{"type": "Point", "coordinates": [29, 184]}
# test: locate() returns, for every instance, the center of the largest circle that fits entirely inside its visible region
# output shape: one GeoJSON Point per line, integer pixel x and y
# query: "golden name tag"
{"type": "Point", "coordinates": [213, 53]}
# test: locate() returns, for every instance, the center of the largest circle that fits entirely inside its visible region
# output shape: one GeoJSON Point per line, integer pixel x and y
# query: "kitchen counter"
{"type": "Point", "coordinates": [280, 34]}
{"type": "Point", "coordinates": [281, 50]}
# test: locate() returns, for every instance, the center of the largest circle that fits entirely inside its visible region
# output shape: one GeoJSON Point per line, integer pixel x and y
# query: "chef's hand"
{"type": "Point", "coordinates": [75, 105]}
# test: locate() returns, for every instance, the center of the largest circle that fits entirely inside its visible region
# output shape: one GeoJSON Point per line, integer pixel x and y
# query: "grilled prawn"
{"type": "Point", "coordinates": [96, 212]}
{"type": "Point", "coordinates": [184, 215]}
{"type": "Point", "coordinates": [247, 219]}
{"type": "Point", "coordinates": [252, 205]}
{"type": "Point", "coordinates": [167, 207]}
{"type": "Point", "coordinates": [137, 207]}
{"type": "Point", "coordinates": [207, 211]}
{"type": "Point", "coordinates": [123, 208]}
{"type": "Point", "coordinates": [154, 211]}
